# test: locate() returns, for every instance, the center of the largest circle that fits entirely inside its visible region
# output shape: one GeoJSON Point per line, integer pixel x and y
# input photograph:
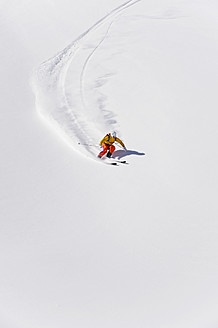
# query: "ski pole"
{"type": "Point", "coordinates": [86, 144]}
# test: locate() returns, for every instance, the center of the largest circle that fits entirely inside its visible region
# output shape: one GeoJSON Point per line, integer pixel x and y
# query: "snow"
{"type": "Point", "coordinates": [84, 244]}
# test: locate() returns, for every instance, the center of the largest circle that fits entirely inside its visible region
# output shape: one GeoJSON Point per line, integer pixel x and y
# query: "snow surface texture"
{"type": "Point", "coordinates": [88, 245]}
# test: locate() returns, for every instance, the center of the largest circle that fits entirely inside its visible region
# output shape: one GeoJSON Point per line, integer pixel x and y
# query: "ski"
{"type": "Point", "coordinates": [109, 162]}
{"type": "Point", "coordinates": [113, 161]}
{"type": "Point", "coordinates": [117, 161]}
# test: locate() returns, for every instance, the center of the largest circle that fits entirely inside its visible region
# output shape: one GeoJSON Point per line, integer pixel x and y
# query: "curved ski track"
{"type": "Point", "coordinates": [60, 93]}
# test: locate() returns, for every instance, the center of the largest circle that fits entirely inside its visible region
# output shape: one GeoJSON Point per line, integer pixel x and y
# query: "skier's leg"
{"type": "Point", "coordinates": [111, 150]}
{"type": "Point", "coordinates": [103, 152]}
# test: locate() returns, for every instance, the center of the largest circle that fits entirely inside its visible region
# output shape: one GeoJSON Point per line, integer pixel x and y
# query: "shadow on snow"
{"type": "Point", "coordinates": [123, 153]}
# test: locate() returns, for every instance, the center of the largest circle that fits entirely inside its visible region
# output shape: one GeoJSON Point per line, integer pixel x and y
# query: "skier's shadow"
{"type": "Point", "coordinates": [123, 153]}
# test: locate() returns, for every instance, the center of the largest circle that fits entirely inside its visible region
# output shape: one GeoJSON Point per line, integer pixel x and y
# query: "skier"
{"type": "Point", "coordinates": [107, 144]}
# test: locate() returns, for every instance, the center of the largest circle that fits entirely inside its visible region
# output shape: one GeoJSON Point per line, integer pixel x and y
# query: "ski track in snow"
{"type": "Point", "coordinates": [60, 88]}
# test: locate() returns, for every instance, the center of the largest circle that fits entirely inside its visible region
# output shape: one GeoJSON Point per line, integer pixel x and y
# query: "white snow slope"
{"type": "Point", "coordinates": [88, 245]}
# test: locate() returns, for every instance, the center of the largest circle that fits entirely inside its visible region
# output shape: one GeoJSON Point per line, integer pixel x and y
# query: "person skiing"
{"type": "Point", "coordinates": [107, 144]}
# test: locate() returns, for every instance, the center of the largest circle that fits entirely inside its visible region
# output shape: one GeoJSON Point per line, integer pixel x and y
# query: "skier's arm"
{"type": "Point", "coordinates": [121, 143]}
{"type": "Point", "coordinates": [102, 141]}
